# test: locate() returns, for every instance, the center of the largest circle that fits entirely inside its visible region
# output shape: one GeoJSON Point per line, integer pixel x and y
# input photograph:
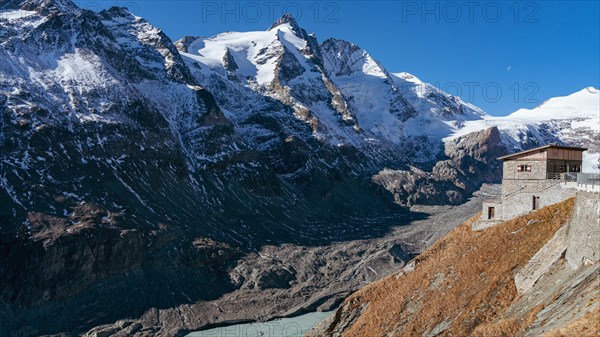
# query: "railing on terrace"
{"type": "Point", "coordinates": [569, 177]}
{"type": "Point", "coordinates": [563, 177]}
{"type": "Point", "coordinates": [588, 180]}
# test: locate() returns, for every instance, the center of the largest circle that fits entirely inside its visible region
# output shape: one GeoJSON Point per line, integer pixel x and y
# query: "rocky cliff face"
{"type": "Point", "coordinates": [96, 180]}
{"type": "Point", "coordinates": [584, 231]}
{"type": "Point", "coordinates": [452, 178]}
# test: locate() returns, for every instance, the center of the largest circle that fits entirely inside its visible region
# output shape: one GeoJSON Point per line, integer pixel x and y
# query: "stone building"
{"type": "Point", "coordinates": [533, 179]}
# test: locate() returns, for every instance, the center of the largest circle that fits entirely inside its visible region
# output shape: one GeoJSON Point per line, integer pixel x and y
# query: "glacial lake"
{"type": "Point", "coordinates": [284, 327]}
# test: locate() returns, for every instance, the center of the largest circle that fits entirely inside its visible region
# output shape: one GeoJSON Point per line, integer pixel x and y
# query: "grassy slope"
{"type": "Point", "coordinates": [588, 325]}
{"type": "Point", "coordinates": [463, 283]}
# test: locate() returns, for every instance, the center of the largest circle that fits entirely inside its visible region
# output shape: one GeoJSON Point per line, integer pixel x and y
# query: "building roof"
{"type": "Point", "coordinates": [545, 147]}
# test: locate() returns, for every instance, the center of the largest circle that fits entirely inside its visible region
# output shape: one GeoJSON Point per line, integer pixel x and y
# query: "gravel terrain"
{"type": "Point", "coordinates": [288, 280]}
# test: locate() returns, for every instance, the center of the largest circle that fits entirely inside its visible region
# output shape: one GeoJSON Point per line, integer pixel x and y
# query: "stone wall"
{"type": "Point", "coordinates": [484, 222]}
{"type": "Point", "coordinates": [521, 188]}
{"type": "Point", "coordinates": [583, 243]}
{"type": "Point", "coordinates": [497, 204]}
{"type": "Point", "coordinates": [517, 195]}
{"type": "Point", "coordinates": [538, 170]}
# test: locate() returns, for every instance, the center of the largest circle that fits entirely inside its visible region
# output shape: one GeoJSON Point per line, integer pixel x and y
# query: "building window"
{"type": "Point", "coordinates": [524, 168]}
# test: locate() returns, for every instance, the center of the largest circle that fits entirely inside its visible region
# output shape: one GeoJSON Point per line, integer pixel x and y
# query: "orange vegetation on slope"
{"type": "Point", "coordinates": [587, 325]}
{"type": "Point", "coordinates": [463, 281]}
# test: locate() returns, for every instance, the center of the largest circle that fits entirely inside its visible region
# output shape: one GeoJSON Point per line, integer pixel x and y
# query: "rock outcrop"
{"type": "Point", "coordinates": [452, 178]}
{"type": "Point", "coordinates": [542, 261]}
{"type": "Point", "coordinates": [583, 242]}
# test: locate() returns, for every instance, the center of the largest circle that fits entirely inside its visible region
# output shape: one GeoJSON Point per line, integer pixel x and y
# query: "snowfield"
{"type": "Point", "coordinates": [572, 119]}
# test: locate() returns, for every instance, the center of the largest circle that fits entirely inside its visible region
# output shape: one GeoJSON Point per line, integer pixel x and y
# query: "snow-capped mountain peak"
{"type": "Point", "coordinates": [431, 99]}
{"type": "Point", "coordinates": [284, 64]}
{"type": "Point", "coordinates": [287, 19]}
{"type": "Point", "coordinates": [344, 58]}
{"type": "Point", "coordinates": [41, 6]}
{"type": "Point", "coordinates": [255, 54]}
{"type": "Point", "coordinates": [408, 77]}
{"type": "Point", "coordinates": [581, 104]}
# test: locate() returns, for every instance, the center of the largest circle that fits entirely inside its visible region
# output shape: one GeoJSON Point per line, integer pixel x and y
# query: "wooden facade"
{"type": "Point", "coordinates": [546, 162]}
{"type": "Point", "coordinates": [564, 154]}
{"type": "Point", "coordinates": [549, 152]}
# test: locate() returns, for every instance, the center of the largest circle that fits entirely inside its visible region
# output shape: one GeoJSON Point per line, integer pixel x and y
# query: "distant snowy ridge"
{"type": "Point", "coordinates": [572, 119]}
{"type": "Point", "coordinates": [581, 104]}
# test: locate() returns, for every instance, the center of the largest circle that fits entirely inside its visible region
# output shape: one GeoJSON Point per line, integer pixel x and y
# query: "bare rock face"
{"type": "Point", "coordinates": [583, 246]}
{"type": "Point", "coordinates": [87, 261]}
{"type": "Point", "coordinates": [470, 161]}
{"type": "Point", "coordinates": [276, 278]}
{"type": "Point", "coordinates": [541, 262]}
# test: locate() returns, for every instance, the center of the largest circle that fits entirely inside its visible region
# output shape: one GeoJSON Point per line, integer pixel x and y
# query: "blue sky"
{"type": "Point", "coordinates": [499, 55]}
